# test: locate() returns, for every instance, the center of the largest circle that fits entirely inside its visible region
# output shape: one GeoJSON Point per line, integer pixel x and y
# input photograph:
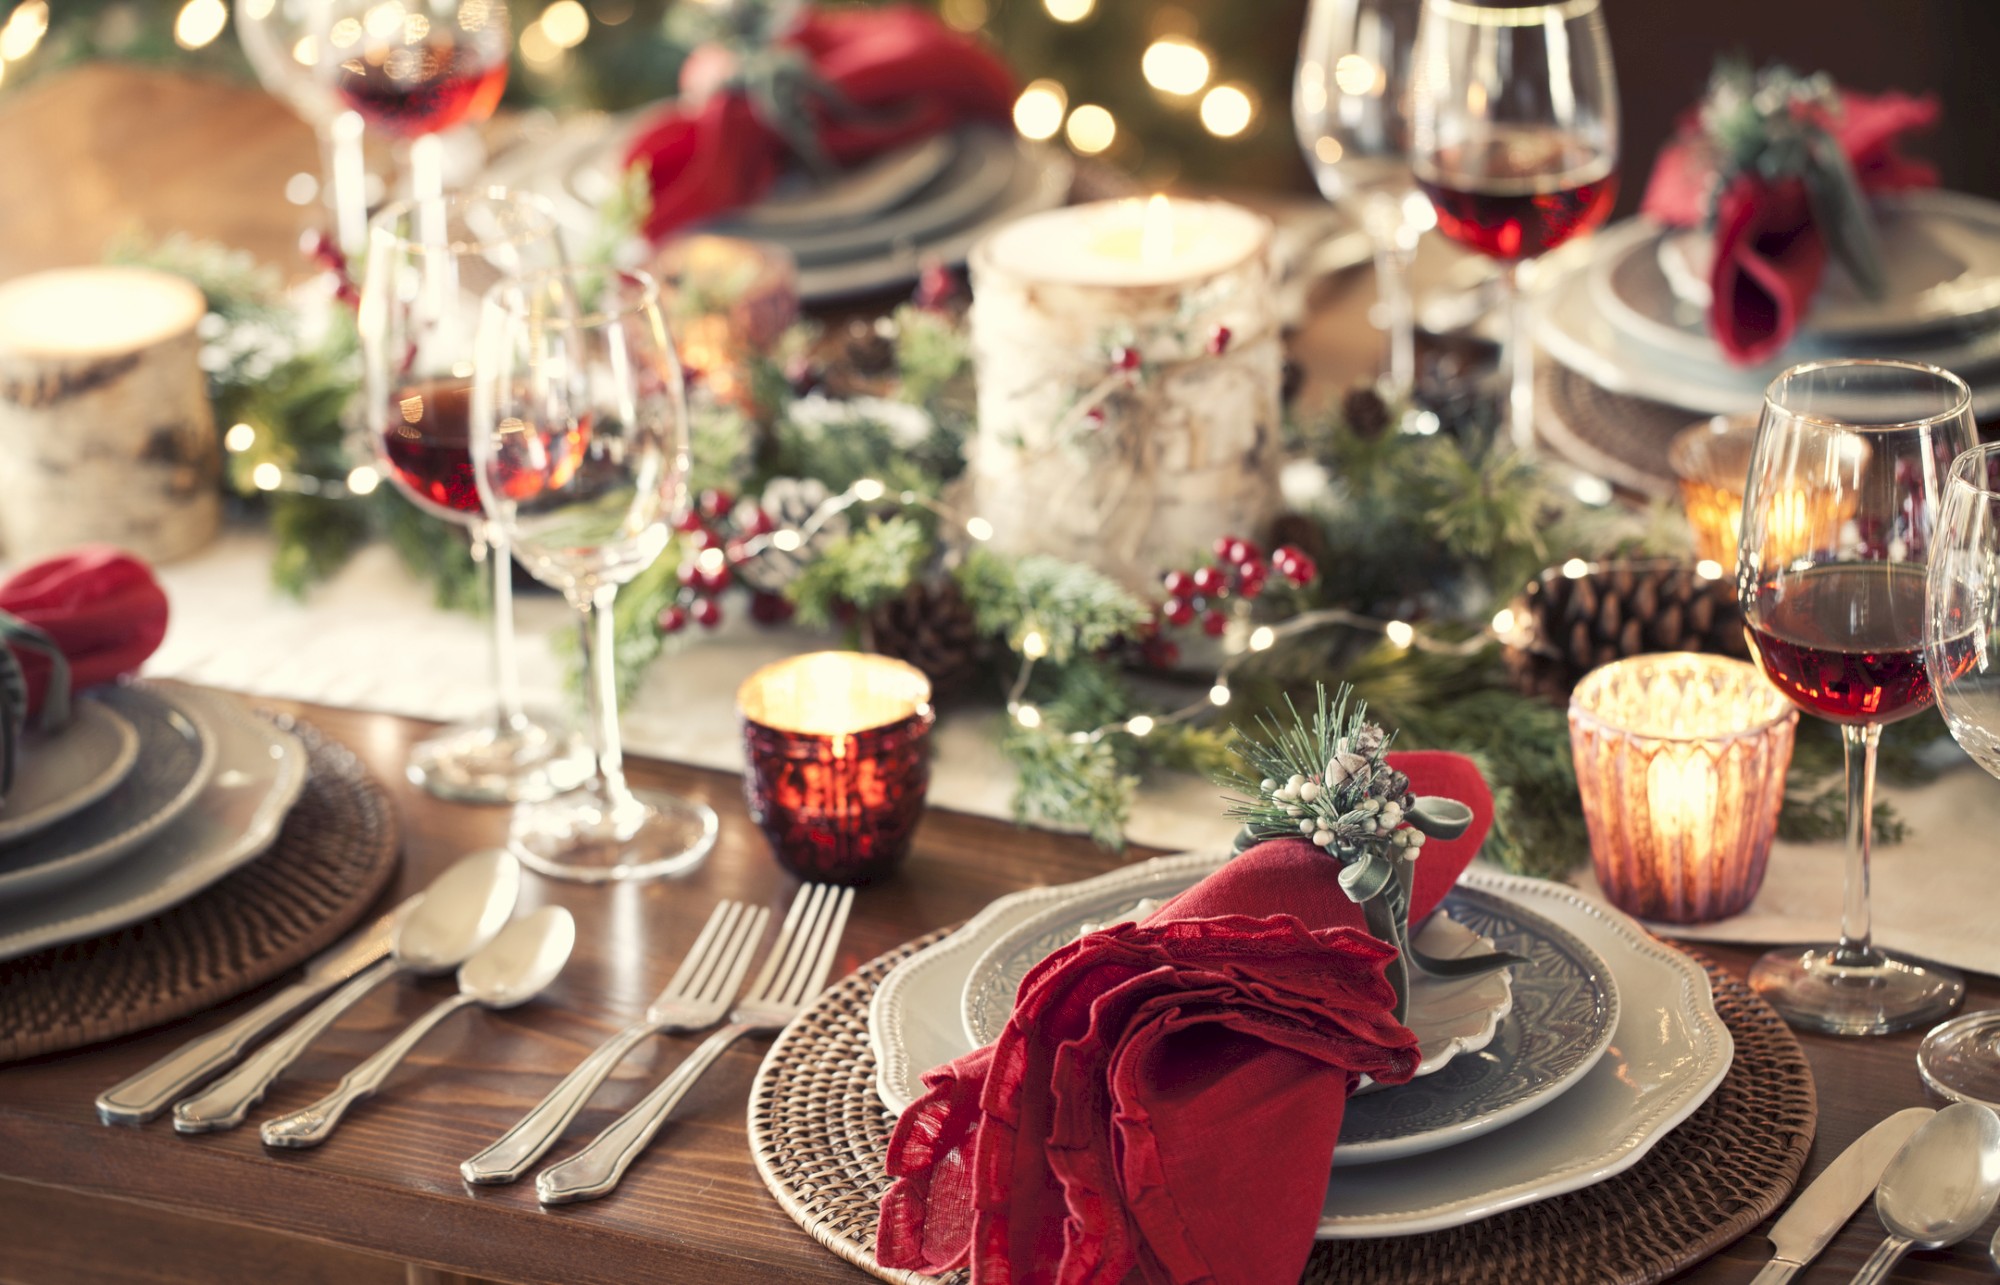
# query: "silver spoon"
{"type": "Point", "coordinates": [1939, 1188]}
{"type": "Point", "coordinates": [454, 917]}
{"type": "Point", "coordinates": [512, 969]}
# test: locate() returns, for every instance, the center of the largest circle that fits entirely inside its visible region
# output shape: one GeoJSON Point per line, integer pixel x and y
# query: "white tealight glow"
{"type": "Point", "coordinates": [1106, 243]}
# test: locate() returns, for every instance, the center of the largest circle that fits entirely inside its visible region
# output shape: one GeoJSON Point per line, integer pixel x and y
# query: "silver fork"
{"type": "Point", "coordinates": [792, 975]}
{"type": "Point", "coordinates": [696, 998]}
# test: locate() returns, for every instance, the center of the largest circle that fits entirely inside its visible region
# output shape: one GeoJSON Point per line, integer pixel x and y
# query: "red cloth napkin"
{"type": "Point", "coordinates": [101, 606]}
{"type": "Point", "coordinates": [1769, 254]}
{"type": "Point", "coordinates": [898, 74]}
{"type": "Point", "coordinates": [1167, 1095]}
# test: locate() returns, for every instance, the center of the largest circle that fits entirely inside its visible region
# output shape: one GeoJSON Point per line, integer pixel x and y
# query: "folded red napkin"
{"type": "Point", "coordinates": [876, 79]}
{"type": "Point", "coordinates": [1167, 1095]}
{"type": "Point", "coordinates": [1769, 252]}
{"type": "Point", "coordinates": [101, 607]}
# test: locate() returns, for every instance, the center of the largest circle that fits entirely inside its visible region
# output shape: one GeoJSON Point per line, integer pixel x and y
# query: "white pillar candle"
{"type": "Point", "coordinates": [1129, 369]}
{"type": "Point", "coordinates": [106, 434]}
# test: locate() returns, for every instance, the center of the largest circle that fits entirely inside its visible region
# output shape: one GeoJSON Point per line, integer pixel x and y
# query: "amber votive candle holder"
{"type": "Point", "coordinates": [1681, 761]}
{"type": "Point", "coordinates": [839, 761]}
{"type": "Point", "coordinates": [1712, 461]}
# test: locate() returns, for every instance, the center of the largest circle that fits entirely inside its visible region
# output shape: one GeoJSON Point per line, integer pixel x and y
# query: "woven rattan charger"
{"type": "Point", "coordinates": [333, 857]}
{"type": "Point", "coordinates": [819, 1136]}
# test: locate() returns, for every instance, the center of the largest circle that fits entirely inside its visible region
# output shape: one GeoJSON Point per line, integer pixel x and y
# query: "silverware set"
{"type": "Point", "coordinates": [1936, 1178]}
{"type": "Point", "coordinates": [464, 921]}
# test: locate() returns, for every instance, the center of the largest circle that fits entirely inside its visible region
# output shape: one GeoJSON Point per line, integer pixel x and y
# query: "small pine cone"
{"type": "Point", "coordinates": [789, 502]}
{"type": "Point", "coordinates": [931, 625]}
{"type": "Point", "coordinates": [1366, 414]}
{"type": "Point", "coordinates": [1569, 626]}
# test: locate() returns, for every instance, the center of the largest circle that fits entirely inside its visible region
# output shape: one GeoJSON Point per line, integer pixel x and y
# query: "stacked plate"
{"type": "Point", "coordinates": [1543, 1079]}
{"type": "Point", "coordinates": [873, 227]}
{"type": "Point", "coordinates": [151, 793]}
{"type": "Point", "coordinates": [1626, 309]}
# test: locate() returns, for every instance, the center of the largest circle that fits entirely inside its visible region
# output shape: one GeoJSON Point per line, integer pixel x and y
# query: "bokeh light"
{"type": "Point", "coordinates": [1175, 66]}
{"type": "Point", "coordinates": [1091, 129]}
{"type": "Point", "coordinates": [1038, 112]}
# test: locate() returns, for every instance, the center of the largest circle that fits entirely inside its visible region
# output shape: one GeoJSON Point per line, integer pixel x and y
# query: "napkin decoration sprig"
{"type": "Point", "coordinates": [1326, 778]}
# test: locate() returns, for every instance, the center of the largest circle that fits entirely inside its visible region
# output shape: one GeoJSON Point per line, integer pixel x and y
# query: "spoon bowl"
{"type": "Point", "coordinates": [519, 964]}
{"type": "Point", "coordinates": [460, 912]}
{"type": "Point", "coordinates": [1939, 1188]}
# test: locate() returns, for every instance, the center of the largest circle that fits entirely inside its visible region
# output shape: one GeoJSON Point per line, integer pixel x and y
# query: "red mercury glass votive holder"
{"type": "Point", "coordinates": [839, 761]}
{"type": "Point", "coordinates": [1681, 762]}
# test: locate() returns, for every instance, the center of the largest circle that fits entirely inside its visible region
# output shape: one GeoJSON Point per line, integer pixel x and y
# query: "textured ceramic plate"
{"type": "Point", "coordinates": [259, 770]}
{"type": "Point", "coordinates": [64, 772]}
{"type": "Point", "coordinates": [1449, 1016]}
{"type": "Point", "coordinates": [175, 758]}
{"type": "Point", "coordinates": [869, 189]}
{"type": "Point", "coordinates": [1668, 1051]}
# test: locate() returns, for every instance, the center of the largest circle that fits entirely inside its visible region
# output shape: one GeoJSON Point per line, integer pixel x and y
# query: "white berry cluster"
{"type": "Point", "coordinates": [1354, 802]}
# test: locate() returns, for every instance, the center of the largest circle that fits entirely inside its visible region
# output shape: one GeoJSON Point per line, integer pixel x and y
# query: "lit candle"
{"type": "Point", "coordinates": [1129, 368]}
{"type": "Point", "coordinates": [839, 761]}
{"type": "Point", "coordinates": [1681, 762]}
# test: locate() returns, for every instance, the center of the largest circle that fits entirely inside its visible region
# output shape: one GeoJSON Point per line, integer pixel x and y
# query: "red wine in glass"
{"type": "Point", "coordinates": [1519, 193]}
{"type": "Point", "coordinates": [426, 446]}
{"type": "Point", "coordinates": [423, 89]}
{"type": "Point", "coordinates": [1845, 640]}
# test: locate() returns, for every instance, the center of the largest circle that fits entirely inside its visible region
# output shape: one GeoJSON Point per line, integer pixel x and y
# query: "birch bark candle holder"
{"type": "Point", "coordinates": [1681, 761]}
{"type": "Point", "coordinates": [106, 433]}
{"type": "Point", "coordinates": [1129, 367]}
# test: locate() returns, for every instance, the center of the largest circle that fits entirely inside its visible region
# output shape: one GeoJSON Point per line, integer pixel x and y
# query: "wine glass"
{"type": "Point", "coordinates": [580, 453]}
{"type": "Point", "coordinates": [1514, 137]}
{"type": "Point", "coordinates": [415, 68]}
{"type": "Point", "coordinates": [429, 263]}
{"type": "Point", "coordinates": [1350, 105]}
{"type": "Point", "coordinates": [1846, 476]}
{"type": "Point", "coordinates": [1961, 1059]}
{"type": "Point", "coordinates": [281, 39]}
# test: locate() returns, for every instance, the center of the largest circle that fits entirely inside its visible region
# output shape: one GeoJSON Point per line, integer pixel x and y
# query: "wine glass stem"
{"type": "Point", "coordinates": [347, 182]}
{"type": "Point", "coordinates": [1855, 949]}
{"type": "Point", "coordinates": [1392, 286]}
{"type": "Point", "coordinates": [427, 167]}
{"type": "Point", "coordinates": [489, 544]}
{"type": "Point", "coordinates": [597, 639]}
{"type": "Point", "coordinates": [1517, 359]}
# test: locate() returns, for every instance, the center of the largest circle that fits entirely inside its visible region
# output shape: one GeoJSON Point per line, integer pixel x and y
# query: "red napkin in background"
{"type": "Point", "coordinates": [1167, 1095]}
{"type": "Point", "coordinates": [1769, 254]}
{"type": "Point", "coordinates": [102, 607]}
{"type": "Point", "coordinates": [903, 74]}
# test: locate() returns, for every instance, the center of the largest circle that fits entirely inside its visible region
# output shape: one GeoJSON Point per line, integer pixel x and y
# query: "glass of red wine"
{"type": "Point", "coordinates": [1514, 137]}
{"type": "Point", "coordinates": [580, 452]}
{"type": "Point", "coordinates": [415, 68]}
{"type": "Point", "coordinates": [429, 263]}
{"type": "Point", "coordinates": [1961, 1059]}
{"type": "Point", "coordinates": [1846, 479]}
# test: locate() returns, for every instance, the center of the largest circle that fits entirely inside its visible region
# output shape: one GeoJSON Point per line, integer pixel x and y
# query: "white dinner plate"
{"type": "Point", "coordinates": [259, 771]}
{"type": "Point", "coordinates": [61, 773]}
{"type": "Point", "coordinates": [1668, 1052]}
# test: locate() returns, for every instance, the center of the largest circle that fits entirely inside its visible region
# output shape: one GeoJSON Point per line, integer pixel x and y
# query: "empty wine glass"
{"type": "Point", "coordinates": [1961, 1059]}
{"type": "Point", "coordinates": [580, 452]}
{"type": "Point", "coordinates": [1350, 109]}
{"type": "Point", "coordinates": [415, 68]}
{"type": "Point", "coordinates": [1843, 495]}
{"type": "Point", "coordinates": [1514, 137]}
{"type": "Point", "coordinates": [429, 264]}
{"type": "Point", "coordinates": [281, 40]}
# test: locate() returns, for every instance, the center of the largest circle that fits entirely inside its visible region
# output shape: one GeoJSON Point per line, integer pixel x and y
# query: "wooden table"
{"type": "Point", "coordinates": [84, 1202]}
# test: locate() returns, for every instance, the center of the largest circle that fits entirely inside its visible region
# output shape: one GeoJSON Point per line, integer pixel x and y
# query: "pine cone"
{"type": "Point", "coordinates": [931, 625]}
{"type": "Point", "coordinates": [1568, 626]}
{"type": "Point", "coordinates": [1366, 414]}
{"type": "Point", "coordinates": [789, 502]}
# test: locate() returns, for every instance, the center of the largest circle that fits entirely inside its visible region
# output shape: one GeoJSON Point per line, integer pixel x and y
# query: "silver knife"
{"type": "Point", "coordinates": [1818, 1215]}
{"type": "Point", "coordinates": [145, 1095]}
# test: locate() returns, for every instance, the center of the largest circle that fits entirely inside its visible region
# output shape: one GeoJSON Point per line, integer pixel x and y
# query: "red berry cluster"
{"type": "Point", "coordinates": [715, 522]}
{"type": "Point", "coordinates": [1239, 570]}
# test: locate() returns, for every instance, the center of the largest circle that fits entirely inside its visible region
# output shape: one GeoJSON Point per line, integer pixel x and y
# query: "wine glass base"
{"type": "Point", "coordinates": [582, 838]}
{"type": "Point", "coordinates": [1961, 1059]}
{"type": "Point", "coordinates": [486, 762]}
{"type": "Point", "coordinates": [1812, 991]}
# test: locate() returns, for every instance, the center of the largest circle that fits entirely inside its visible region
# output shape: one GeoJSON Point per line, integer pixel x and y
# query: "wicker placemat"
{"type": "Point", "coordinates": [334, 855]}
{"type": "Point", "coordinates": [819, 1135]}
{"type": "Point", "coordinates": [1621, 439]}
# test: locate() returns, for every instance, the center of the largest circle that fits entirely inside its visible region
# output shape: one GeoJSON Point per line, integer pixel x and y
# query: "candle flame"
{"type": "Point", "coordinates": [1156, 235]}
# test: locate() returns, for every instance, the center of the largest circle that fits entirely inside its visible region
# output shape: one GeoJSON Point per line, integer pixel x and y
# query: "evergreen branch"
{"type": "Point", "coordinates": [1073, 784]}
{"type": "Point", "coordinates": [862, 569]}
{"type": "Point", "coordinates": [1075, 609]}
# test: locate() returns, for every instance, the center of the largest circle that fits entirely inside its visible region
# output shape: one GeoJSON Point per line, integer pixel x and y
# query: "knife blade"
{"type": "Point", "coordinates": [1826, 1205]}
{"type": "Point", "coordinates": [143, 1096]}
